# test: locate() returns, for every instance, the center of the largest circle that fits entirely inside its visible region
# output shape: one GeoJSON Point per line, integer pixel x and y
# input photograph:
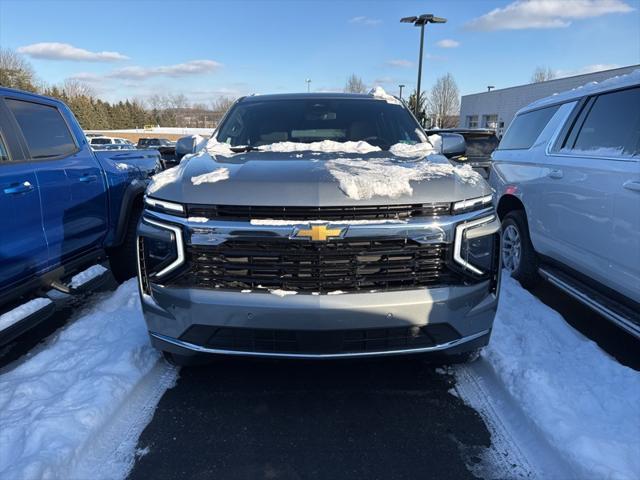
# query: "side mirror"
{"type": "Point", "coordinates": [453, 145]}
{"type": "Point", "coordinates": [185, 146]}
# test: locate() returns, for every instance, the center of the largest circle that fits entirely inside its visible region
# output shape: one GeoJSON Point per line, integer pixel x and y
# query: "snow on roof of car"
{"type": "Point", "coordinates": [590, 88]}
{"type": "Point", "coordinates": [376, 93]}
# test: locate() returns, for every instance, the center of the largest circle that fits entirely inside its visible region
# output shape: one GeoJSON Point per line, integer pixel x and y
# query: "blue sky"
{"type": "Point", "coordinates": [207, 49]}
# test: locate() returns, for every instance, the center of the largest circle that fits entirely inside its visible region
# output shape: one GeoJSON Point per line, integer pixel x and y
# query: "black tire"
{"type": "Point", "coordinates": [123, 259]}
{"type": "Point", "coordinates": [525, 270]}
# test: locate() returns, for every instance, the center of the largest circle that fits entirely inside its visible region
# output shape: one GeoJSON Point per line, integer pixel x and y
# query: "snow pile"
{"type": "Point", "coordinates": [328, 146]}
{"type": "Point", "coordinates": [20, 313]}
{"type": "Point", "coordinates": [378, 92]}
{"type": "Point", "coordinates": [436, 141]}
{"type": "Point", "coordinates": [583, 402]}
{"type": "Point", "coordinates": [54, 404]}
{"type": "Point", "coordinates": [282, 293]}
{"type": "Point", "coordinates": [216, 175]}
{"type": "Point", "coordinates": [87, 275]}
{"type": "Point", "coordinates": [362, 179]}
{"type": "Point", "coordinates": [412, 150]}
{"type": "Point", "coordinates": [164, 178]}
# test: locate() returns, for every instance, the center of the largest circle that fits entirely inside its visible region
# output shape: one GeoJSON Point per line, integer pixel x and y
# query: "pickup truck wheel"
{"type": "Point", "coordinates": [518, 255]}
{"type": "Point", "coordinates": [123, 258]}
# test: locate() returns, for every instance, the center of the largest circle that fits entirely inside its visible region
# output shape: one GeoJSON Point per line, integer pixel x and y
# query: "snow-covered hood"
{"type": "Point", "coordinates": [406, 174]}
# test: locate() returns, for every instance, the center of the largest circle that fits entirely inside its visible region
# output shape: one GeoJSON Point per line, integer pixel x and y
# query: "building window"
{"type": "Point", "coordinates": [472, 121]}
{"type": "Point", "coordinates": [490, 121]}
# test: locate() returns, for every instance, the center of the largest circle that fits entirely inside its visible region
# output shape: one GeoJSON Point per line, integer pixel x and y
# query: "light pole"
{"type": "Point", "coordinates": [490, 87]}
{"type": "Point", "coordinates": [421, 21]}
{"type": "Point", "coordinates": [401, 87]}
{"type": "Point", "coordinates": [308, 80]}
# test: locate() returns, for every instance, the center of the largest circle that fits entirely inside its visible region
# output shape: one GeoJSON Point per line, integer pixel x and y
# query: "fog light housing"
{"type": "Point", "coordinates": [476, 245]}
{"type": "Point", "coordinates": [160, 251]}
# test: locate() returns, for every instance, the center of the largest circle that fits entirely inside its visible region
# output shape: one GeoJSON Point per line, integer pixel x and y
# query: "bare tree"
{"type": "Point", "coordinates": [75, 88]}
{"type": "Point", "coordinates": [15, 71]}
{"type": "Point", "coordinates": [542, 74]}
{"type": "Point", "coordinates": [444, 102]}
{"type": "Point", "coordinates": [355, 85]}
{"type": "Point", "coordinates": [222, 104]}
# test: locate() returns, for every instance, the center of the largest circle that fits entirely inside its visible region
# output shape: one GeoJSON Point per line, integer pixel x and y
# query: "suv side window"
{"type": "Point", "coordinates": [45, 131]}
{"type": "Point", "coordinates": [525, 128]}
{"type": "Point", "coordinates": [611, 126]}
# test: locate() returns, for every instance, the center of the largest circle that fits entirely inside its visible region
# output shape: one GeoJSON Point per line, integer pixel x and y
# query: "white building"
{"type": "Point", "coordinates": [496, 109]}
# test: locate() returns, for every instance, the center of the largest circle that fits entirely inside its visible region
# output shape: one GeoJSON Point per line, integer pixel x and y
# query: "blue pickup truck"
{"type": "Point", "coordinates": [64, 208]}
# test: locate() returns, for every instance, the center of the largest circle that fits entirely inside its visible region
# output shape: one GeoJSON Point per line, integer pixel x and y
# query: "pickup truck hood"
{"type": "Point", "coordinates": [316, 179]}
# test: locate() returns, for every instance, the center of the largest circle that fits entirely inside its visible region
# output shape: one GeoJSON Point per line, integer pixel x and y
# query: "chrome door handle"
{"type": "Point", "coordinates": [632, 185]}
{"type": "Point", "coordinates": [88, 178]}
{"type": "Point", "coordinates": [555, 174]}
{"type": "Point", "coordinates": [15, 189]}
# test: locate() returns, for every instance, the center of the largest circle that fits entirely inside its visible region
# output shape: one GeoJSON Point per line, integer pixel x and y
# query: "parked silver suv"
{"type": "Point", "coordinates": [319, 226]}
{"type": "Point", "coordinates": [567, 177]}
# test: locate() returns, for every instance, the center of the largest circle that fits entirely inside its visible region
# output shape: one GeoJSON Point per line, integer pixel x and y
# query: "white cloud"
{"type": "Point", "coordinates": [194, 67]}
{"type": "Point", "coordinates": [597, 67]}
{"type": "Point", "coordinates": [65, 51]}
{"type": "Point", "coordinates": [366, 21]}
{"type": "Point", "coordinates": [523, 14]}
{"type": "Point", "coordinates": [400, 63]}
{"type": "Point", "coordinates": [448, 43]}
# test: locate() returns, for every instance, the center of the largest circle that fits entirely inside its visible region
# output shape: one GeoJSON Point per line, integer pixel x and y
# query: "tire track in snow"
{"type": "Point", "coordinates": [518, 450]}
{"type": "Point", "coordinates": [112, 452]}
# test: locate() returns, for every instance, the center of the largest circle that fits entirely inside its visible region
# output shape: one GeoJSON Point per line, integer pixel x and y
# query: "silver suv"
{"type": "Point", "coordinates": [567, 177]}
{"type": "Point", "coordinates": [319, 226]}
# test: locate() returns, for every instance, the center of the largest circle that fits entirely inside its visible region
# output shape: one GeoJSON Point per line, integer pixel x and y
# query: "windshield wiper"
{"type": "Point", "coordinates": [245, 148]}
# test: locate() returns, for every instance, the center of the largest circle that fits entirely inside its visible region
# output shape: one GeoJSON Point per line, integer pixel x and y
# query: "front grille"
{"type": "Point", "coordinates": [301, 266]}
{"type": "Point", "coordinates": [379, 212]}
{"type": "Point", "coordinates": [319, 342]}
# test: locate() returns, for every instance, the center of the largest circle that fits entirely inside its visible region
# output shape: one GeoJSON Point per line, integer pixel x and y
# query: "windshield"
{"type": "Point", "coordinates": [255, 123]}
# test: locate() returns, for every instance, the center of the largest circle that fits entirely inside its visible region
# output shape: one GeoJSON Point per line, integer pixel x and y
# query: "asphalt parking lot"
{"type": "Point", "coordinates": [289, 420]}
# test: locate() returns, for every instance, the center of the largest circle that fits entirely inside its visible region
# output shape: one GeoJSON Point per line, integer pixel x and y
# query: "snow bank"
{"type": "Point", "coordinates": [54, 404]}
{"type": "Point", "coordinates": [362, 179]}
{"type": "Point", "coordinates": [378, 92]}
{"type": "Point", "coordinates": [583, 402]}
{"type": "Point", "coordinates": [217, 175]}
{"type": "Point", "coordinates": [22, 312]}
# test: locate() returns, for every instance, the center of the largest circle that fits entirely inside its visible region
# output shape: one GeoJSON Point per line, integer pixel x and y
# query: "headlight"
{"type": "Point", "coordinates": [477, 244]}
{"type": "Point", "coordinates": [164, 206]}
{"type": "Point", "coordinates": [160, 250]}
{"type": "Point", "coordinates": [472, 204]}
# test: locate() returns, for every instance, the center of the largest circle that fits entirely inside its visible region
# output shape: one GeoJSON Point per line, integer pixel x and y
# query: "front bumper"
{"type": "Point", "coordinates": [172, 313]}
{"type": "Point", "coordinates": [449, 319]}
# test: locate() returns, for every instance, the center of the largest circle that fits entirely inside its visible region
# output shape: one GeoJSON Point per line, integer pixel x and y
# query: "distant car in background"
{"type": "Point", "coordinates": [102, 142]}
{"type": "Point", "coordinates": [480, 142]}
{"type": "Point", "coordinates": [166, 148]}
{"type": "Point", "coordinates": [154, 143]}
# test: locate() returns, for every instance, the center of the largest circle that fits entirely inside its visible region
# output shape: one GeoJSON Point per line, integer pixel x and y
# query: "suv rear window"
{"type": "Point", "coordinates": [611, 126]}
{"type": "Point", "coordinates": [526, 128]}
{"type": "Point", "coordinates": [44, 129]}
{"type": "Point", "coordinates": [481, 145]}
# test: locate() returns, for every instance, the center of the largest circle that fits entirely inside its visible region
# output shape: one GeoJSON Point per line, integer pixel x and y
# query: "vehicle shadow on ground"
{"type": "Point", "coordinates": [244, 419]}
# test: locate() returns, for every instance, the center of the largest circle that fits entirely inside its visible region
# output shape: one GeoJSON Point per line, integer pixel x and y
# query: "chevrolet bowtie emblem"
{"type": "Point", "coordinates": [318, 233]}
